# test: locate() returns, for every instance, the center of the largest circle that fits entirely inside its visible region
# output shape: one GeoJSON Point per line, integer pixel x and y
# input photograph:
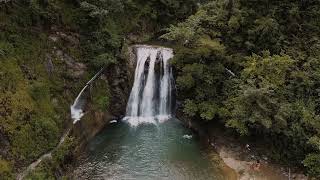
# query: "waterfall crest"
{"type": "Point", "coordinates": [151, 95]}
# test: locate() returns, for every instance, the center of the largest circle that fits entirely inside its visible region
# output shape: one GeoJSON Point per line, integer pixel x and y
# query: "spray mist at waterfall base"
{"type": "Point", "coordinates": [136, 121]}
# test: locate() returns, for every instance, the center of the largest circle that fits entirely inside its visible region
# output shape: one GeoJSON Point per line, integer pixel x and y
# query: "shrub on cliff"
{"type": "Point", "coordinates": [5, 170]}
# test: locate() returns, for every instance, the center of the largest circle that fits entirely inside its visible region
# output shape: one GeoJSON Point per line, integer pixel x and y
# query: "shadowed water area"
{"type": "Point", "coordinates": [147, 152]}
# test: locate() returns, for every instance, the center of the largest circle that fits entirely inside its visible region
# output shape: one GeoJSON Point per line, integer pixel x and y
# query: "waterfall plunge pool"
{"type": "Point", "coordinates": [147, 152]}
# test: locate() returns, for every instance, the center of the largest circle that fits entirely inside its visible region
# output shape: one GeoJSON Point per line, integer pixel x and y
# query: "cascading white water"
{"type": "Point", "coordinates": [77, 106]}
{"type": "Point", "coordinates": [165, 86]}
{"type": "Point", "coordinates": [150, 100]}
{"type": "Point", "coordinates": [147, 104]}
{"type": "Point", "coordinates": [134, 99]}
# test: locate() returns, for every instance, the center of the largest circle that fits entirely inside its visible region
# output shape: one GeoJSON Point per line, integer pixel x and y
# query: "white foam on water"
{"type": "Point", "coordinates": [163, 118]}
{"type": "Point", "coordinates": [186, 136]}
{"type": "Point", "coordinates": [136, 121]}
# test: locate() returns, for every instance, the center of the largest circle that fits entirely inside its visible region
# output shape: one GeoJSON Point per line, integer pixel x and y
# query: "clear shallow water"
{"type": "Point", "coordinates": [146, 152]}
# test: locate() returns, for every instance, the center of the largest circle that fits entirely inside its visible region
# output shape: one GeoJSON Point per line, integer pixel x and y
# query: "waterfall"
{"type": "Point", "coordinates": [134, 100]}
{"type": "Point", "coordinates": [165, 87]}
{"type": "Point", "coordinates": [150, 98]}
{"type": "Point", "coordinates": [77, 106]}
{"type": "Point", "coordinates": [147, 106]}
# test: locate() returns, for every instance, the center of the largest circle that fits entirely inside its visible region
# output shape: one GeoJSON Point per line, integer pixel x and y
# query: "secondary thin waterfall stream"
{"type": "Point", "coordinates": [150, 100]}
{"type": "Point", "coordinates": [76, 114]}
{"type": "Point", "coordinates": [76, 109]}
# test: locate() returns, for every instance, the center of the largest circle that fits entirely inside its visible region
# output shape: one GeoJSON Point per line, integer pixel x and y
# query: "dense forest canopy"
{"type": "Point", "coordinates": [253, 65]}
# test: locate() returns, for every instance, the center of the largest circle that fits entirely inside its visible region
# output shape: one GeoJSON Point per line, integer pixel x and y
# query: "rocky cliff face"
{"type": "Point", "coordinates": [119, 78]}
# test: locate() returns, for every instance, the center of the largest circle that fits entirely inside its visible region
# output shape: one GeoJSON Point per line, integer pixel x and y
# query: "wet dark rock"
{"type": "Point", "coordinates": [120, 79]}
{"type": "Point", "coordinates": [157, 67]}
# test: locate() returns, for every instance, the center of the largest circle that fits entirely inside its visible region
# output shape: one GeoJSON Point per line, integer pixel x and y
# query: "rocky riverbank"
{"type": "Point", "coordinates": [239, 156]}
{"type": "Point", "coordinates": [243, 157]}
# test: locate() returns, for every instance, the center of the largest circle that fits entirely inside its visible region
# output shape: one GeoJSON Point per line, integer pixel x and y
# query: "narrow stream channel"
{"type": "Point", "coordinates": [146, 152]}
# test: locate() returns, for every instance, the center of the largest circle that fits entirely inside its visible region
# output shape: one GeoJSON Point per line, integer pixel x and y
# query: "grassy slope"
{"type": "Point", "coordinates": [34, 103]}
